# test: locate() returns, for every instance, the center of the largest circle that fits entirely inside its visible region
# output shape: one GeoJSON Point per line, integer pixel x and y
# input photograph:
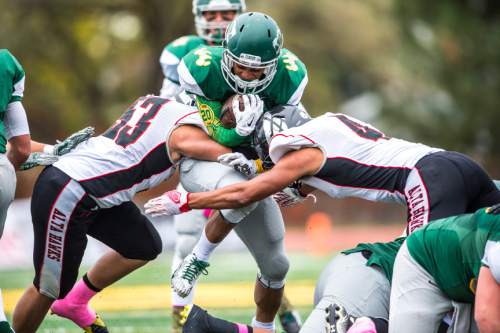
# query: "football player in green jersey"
{"type": "Point", "coordinates": [251, 62]}
{"type": "Point", "coordinates": [450, 261]}
{"type": "Point", "coordinates": [16, 144]}
{"type": "Point", "coordinates": [14, 129]}
{"type": "Point", "coordinates": [211, 18]}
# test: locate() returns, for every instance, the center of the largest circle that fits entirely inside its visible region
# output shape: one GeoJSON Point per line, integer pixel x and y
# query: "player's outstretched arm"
{"type": "Point", "coordinates": [292, 166]}
{"type": "Point", "coordinates": [487, 304]}
{"type": "Point", "coordinates": [193, 142]}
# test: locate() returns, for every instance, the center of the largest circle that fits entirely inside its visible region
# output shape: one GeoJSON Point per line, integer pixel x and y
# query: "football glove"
{"type": "Point", "coordinates": [240, 163]}
{"type": "Point", "coordinates": [291, 195]}
{"type": "Point", "coordinates": [36, 159]}
{"type": "Point", "coordinates": [495, 210]}
{"type": "Point", "coordinates": [169, 203]}
{"type": "Point", "coordinates": [247, 119]}
{"type": "Point", "coordinates": [68, 144]}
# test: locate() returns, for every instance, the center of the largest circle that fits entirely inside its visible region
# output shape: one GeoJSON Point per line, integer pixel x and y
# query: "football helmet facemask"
{"type": "Point", "coordinates": [253, 40]}
{"type": "Point", "coordinates": [209, 30]}
{"type": "Point", "coordinates": [273, 122]}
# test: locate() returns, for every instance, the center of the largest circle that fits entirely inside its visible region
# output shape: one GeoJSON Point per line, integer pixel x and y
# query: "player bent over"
{"type": "Point", "coordinates": [89, 191]}
{"type": "Point", "coordinates": [455, 260]}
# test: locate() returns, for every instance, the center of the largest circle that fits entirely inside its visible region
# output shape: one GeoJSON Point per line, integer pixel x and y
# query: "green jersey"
{"type": "Point", "coordinates": [200, 73]}
{"type": "Point", "coordinates": [382, 254]}
{"type": "Point", "coordinates": [175, 51]}
{"type": "Point", "coordinates": [11, 88]}
{"type": "Point", "coordinates": [452, 250]}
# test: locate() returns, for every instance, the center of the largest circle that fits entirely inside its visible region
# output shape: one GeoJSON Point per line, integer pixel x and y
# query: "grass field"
{"type": "Point", "coordinates": [141, 301]}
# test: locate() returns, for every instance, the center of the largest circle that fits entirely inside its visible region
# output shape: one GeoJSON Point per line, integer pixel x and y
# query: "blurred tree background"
{"type": "Point", "coordinates": [422, 70]}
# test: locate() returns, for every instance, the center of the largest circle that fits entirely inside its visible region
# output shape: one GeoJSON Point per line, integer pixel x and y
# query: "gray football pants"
{"type": "Point", "coordinates": [346, 280]}
{"type": "Point", "coordinates": [417, 303]}
{"type": "Point", "coordinates": [259, 225]}
{"type": "Point", "coordinates": [7, 189]}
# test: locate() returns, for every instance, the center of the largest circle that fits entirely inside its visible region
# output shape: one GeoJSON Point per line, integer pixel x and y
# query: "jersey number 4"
{"type": "Point", "coordinates": [363, 131]}
{"type": "Point", "coordinates": [135, 121]}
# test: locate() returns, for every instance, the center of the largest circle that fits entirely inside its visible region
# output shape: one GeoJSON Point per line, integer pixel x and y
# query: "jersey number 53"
{"type": "Point", "coordinates": [135, 121]}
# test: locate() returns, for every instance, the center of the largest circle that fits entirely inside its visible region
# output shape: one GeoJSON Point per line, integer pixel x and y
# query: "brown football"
{"type": "Point", "coordinates": [227, 119]}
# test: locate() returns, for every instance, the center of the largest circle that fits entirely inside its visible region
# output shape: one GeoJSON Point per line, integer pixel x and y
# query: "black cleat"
{"type": "Point", "coordinates": [196, 320]}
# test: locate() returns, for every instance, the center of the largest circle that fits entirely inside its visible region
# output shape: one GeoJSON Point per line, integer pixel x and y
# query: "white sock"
{"type": "Point", "coordinates": [204, 247]}
{"type": "Point", "coordinates": [181, 301]}
{"type": "Point", "coordinates": [2, 313]}
{"type": "Point", "coordinates": [267, 326]}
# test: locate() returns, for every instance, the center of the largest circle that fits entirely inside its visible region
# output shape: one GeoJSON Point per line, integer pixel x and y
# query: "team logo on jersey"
{"type": "Point", "coordinates": [208, 116]}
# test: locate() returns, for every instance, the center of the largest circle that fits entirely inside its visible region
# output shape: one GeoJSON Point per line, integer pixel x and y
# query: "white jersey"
{"type": "Point", "coordinates": [132, 155]}
{"type": "Point", "coordinates": [360, 161]}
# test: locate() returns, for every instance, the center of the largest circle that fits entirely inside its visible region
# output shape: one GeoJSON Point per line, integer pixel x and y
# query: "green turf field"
{"type": "Point", "coordinates": [140, 302]}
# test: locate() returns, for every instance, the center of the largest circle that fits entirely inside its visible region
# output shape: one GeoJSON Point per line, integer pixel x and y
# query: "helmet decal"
{"type": "Point", "coordinates": [253, 40]}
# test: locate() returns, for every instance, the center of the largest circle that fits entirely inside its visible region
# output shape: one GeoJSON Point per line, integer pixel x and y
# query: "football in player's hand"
{"type": "Point", "coordinates": [227, 119]}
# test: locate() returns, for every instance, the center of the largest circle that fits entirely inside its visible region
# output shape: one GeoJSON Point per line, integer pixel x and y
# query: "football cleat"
{"type": "Point", "coordinates": [185, 276]}
{"type": "Point", "coordinates": [289, 318]}
{"type": "Point", "coordinates": [179, 317]}
{"type": "Point", "coordinates": [97, 326]}
{"type": "Point", "coordinates": [337, 319]}
{"type": "Point", "coordinates": [196, 320]}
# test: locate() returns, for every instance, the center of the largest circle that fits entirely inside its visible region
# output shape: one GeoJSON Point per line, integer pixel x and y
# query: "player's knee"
{"type": "Point", "coordinates": [273, 273]}
{"type": "Point", "coordinates": [184, 244]}
{"type": "Point", "coordinates": [147, 249]}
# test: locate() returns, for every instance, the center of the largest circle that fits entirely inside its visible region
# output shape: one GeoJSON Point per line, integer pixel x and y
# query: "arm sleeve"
{"type": "Point", "coordinates": [491, 258]}
{"type": "Point", "coordinates": [209, 112]}
{"type": "Point", "coordinates": [15, 121]}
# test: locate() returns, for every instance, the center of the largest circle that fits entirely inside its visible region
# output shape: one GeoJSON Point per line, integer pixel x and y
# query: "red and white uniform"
{"type": "Point", "coordinates": [360, 161]}
{"type": "Point", "coordinates": [132, 155]}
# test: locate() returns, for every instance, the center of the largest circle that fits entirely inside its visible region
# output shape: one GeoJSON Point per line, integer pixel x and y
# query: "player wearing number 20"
{"type": "Point", "coordinates": [345, 157]}
{"type": "Point", "coordinates": [251, 61]}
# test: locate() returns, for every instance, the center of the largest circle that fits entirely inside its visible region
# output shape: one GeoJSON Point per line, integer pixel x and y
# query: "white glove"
{"type": "Point", "coordinates": [169, 203]}
{"type": "Point", "coordinates": [240, 163]}
{"type": "Point", "coordinates": [37, 158]}
{"type": "Point", "coordinates": [247, 119]}
{"type": "Point", "coordinates": [290, 196]}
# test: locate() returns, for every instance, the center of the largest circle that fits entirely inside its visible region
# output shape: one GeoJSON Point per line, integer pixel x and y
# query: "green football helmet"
{"type": "Point", "coordinates": [214, 31]}
{"type": "Point", "coordinates": [253, 40]}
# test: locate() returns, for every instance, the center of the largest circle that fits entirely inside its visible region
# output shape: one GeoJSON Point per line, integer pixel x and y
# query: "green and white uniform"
{"type": "Point", "coordinates": [200, 73]}
{"type": "Point", "coordinates": [362, 286]}
{"type": "Point", "coordinates": [170, 59]}
{"type": "Point", "coordinates": [438, 266]}
{"type": "Point", "coordinates": [260, 225]}
{"type": "Point", "coordinates": [11, 89]}
{"type": "Point", "coordinates": [12, 123]}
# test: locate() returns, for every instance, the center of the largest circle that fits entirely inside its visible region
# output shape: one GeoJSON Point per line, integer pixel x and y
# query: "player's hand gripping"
{"type": "Point", "coordinates": [169, 203]}
{"type": "Point", "coordinates": [38, 158]}
{"type": "Point", "coordinates": [292, 195]}
{"type": "Point", "coordinates": [68, 144]}
{"type": "Point", "coordinates": [60, 148]}
{"type": "Point", "coordinates": [240, 163]}
{"type": "Point", "coordinates": [247, 119]}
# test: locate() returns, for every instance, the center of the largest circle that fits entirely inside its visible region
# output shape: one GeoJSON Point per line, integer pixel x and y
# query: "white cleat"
{"type": "Point", "coordinates": [185, 276]}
